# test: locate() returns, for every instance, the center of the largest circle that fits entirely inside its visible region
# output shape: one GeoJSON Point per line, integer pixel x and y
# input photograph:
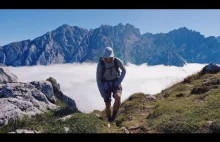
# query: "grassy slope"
{"type": "Point", "coordinates": [191, 106]}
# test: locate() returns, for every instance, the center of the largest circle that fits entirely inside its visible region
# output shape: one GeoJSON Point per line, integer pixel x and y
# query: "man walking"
{"type": "Point", "coordinates": [109, 80]}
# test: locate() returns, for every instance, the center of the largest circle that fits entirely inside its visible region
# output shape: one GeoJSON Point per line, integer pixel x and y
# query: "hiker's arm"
{"type": "Point", "coordinates": [122, 67]}
{"type": "Point", "coordinates": [98, 79]}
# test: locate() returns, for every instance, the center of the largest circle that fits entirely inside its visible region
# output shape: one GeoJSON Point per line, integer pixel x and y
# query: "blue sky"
{"type": "Point", "coordinates": [22, 24]}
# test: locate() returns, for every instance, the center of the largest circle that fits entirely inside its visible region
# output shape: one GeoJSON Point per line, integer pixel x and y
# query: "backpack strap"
{"type": "Point", "coordinates": [116, 65]}
{"type": "Point", "coordinates": [103, 68]}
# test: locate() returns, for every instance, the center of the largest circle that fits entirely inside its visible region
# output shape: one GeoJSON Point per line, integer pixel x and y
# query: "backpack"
{"type": "Point", "coordinates": [103, 67]}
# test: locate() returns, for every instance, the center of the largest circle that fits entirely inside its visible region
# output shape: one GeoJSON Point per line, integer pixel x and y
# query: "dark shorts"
{"type": "Point", "coordinates": [112, 91]}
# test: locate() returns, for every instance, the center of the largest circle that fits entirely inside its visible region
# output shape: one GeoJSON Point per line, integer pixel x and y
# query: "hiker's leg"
{"type": "Point", "coordinates": [117, 103]}
{"type": "Point", "coordinates": [108, 104]}
{"type": "Point", "coordinates": [108, 110]}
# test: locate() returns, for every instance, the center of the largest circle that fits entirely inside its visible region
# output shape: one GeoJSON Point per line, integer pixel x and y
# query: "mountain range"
{"type": "Point", "coordinates": [69, 44]}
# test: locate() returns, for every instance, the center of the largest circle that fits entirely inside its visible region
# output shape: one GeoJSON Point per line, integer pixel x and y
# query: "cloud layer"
{"type": "Point", "coordinates": [78, 81]}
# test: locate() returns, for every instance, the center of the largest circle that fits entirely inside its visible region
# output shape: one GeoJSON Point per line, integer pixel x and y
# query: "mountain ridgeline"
{"type": "Point", "coordinates": [69, 44]}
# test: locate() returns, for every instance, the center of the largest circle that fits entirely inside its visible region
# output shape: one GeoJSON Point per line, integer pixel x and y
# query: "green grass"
{"type": "Point", "coordinates": [178, 109]}
{"type": "Point", "coordinates": [50, 123]}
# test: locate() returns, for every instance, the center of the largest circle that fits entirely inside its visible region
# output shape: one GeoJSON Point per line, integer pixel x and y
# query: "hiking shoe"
{"type": "Point", "coordinates": [113, 119]}
{"type": "Point", "coordinates": [114, 115]}
{"type": "Point", "coordinates": [109, 119]}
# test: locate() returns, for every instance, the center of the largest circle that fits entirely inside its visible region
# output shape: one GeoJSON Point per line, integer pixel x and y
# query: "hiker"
{"type": "Point", "coordinates": [109, 81]}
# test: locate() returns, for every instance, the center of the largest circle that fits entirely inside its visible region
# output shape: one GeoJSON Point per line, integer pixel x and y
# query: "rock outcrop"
{"type": "Point", "coordinates": [210, 68]}
{"type": "Point", "coordinates": [70, 103]}
{"type": "Point", "coordinates": [6, 76]}
{"type": "Point", "coordinates": [19, 99]}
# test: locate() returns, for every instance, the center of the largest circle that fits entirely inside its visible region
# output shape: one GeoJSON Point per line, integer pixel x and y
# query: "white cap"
{"type": "Point", "coordinates": [108, 52]}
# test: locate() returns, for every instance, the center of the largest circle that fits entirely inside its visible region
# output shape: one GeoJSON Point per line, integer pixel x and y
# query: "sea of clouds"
{"type": "Point", "coordinates": [78, 81]}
